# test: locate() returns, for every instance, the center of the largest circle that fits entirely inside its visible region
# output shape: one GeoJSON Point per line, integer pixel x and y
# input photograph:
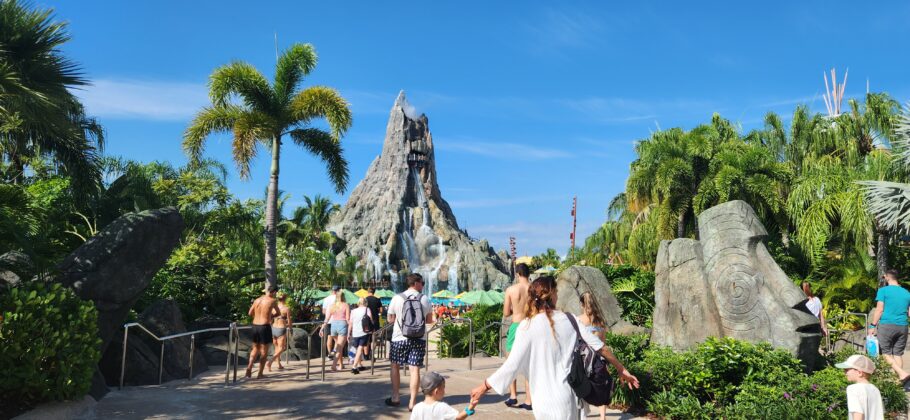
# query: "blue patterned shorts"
{"type": "Point", "coordinates": [409, 352]}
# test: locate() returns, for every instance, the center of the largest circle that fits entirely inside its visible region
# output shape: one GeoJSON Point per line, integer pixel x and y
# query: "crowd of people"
{"type": "Point", "coordinates": [539, 345]}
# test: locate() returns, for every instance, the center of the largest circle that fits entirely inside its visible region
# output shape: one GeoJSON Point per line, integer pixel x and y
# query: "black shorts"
{"type": "Point", "coordinates": [262, 334]}
{"type": "Point", "coordinates": [360, 341]}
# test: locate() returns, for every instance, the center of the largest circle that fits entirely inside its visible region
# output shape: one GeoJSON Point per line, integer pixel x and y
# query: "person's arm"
{"type": "Point", "coordinates": [427, 309]}
{"type": "Point", "coordinates": [518, 359]}
{"type": "Point", "coordinates": [507, 305]}
{"type": "Point", "coordinates": [821, 319]}
{"type": "Point", "coordinates": [598, 345]}
{"type": "Point", "coordinates": [252, 307]}
{"type": "Point", "coordinates": [858, 416]}
{"type": "Point", "coordinates": [876, 316]}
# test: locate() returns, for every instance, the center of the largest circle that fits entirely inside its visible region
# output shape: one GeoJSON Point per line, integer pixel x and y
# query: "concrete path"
{"type": "Point", "coordinates": [287, 394]}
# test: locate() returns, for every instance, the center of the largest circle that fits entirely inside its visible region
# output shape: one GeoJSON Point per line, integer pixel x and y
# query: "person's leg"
{"type": "Point", "coordinates": [280, 346]}
{"type": "Point", "coordinates": [603, 412]}
{"type": "Point", "coordinates": [527, 392]}
{"type": "Point", "coordinates": [254, 352]}
{"type": "Point", "coordinates": [355, 364]}
{"type": "Point", "coordinates": [513, 387]}
{"type": "Point", "coordinates": [339, 348]}
{"type": "Point", "coordinates": [415, 385]}
{"type": "Point", "coordinates": [892, 348]}
{"type": "Point", "coordinates": [263, 356]}
{"type": "Point", "coordinates": [396, 381]}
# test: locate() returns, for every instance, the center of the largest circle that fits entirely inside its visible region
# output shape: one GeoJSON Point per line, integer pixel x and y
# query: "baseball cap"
{"type": "Point", "coordinates": [336, 288]}
{"type": "Point", "coordinates": [858, 362]}
{"type": "Point", "coordinates": [430, 381]}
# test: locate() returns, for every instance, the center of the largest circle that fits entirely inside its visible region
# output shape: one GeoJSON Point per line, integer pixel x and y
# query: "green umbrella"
{"type": "Point", "coordinates": [498, 297]}
{"type": "Point", "coordinates": [481, 298]}
{"type": "Point", "coordinates": [313, 294]}
{"type": "Point", "coordinates": [384, 293]}
{"type": "Point", "coordinates": [349, 297]}
{"type": "Point", "coordinates": [444, 294]}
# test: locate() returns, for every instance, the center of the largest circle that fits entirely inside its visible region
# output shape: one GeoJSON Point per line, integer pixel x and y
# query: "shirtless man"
{"type": "Point", "coordinates": [263, 310]}
{"type": "Point", "coordinates": [516, 300]}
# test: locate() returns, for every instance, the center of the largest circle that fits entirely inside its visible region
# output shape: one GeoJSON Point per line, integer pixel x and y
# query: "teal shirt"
{"type": "Point", "coordinates": [896, 300]}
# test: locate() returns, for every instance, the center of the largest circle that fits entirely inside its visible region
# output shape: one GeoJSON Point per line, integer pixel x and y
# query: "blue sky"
{"type": "Point", "coordinates": [530, 103]}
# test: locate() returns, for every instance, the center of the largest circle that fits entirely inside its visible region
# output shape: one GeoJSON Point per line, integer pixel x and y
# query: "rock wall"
{"type": "Point", "coordinates": [396, 220]}
{"type": "Point", "coordinates": [727, 285]}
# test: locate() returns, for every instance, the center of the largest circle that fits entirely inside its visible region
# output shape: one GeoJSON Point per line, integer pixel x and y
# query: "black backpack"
{"type": "Point", "coordinates": [366, 323]}
{"type": "Point", "coordinates": [588, 376]}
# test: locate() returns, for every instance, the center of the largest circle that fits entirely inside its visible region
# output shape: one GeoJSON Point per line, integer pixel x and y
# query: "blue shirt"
{"type": "Point", "coordinates": [896, 300]}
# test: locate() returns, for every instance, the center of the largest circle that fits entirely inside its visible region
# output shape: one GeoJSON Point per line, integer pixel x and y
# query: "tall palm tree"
{"type": "Point", "coordinates": [39, 115]}
{"type": "Point", "coordinates": [265, 114]}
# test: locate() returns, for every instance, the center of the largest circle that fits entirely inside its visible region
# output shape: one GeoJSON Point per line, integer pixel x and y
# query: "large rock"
{"type": "Point", "coordinates": [15, 267]}
{"type": "Point", "coordinates": [575, 281]}
{"type": "Point", "coordinates": [396, 220]}
{"type": "Point", "coordinates": [727, 285]}
{"type": "Point", "coordinates": [114, 267]}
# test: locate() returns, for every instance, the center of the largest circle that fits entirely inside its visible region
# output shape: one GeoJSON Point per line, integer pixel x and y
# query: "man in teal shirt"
{"type": "Point", "coordinates": [889, 323]}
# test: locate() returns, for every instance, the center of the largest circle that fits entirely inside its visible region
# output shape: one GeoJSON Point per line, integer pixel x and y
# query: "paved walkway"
{"type": "Point", "coordinates": [287, 394]}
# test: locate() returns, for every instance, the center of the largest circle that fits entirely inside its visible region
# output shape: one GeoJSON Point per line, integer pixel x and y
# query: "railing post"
{"type": "Point", "coordinates": [126, 333]}
{"type": "Point", "coordinates": [227, 365]}
{"type": "Point", "coordinates": [309, 342]}
{"type": "Point", "coordinates": [373, 353]}
{"type": "Point", "coordinates": [322, 343]}
{"type": "Point", "coordinates": [471, 344]}
{"type": "Point", "coordinates": [287, 342]}
{"type": "Point", "coordinates": [236, 348]}
{"type": "Point", "coordinates": [192, 353]}
{"type": "Point", "coordinates": [161, 364]}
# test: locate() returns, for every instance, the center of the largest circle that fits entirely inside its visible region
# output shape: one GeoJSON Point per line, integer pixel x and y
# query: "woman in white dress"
{"type": "Point", "coordinates": [543, 348]}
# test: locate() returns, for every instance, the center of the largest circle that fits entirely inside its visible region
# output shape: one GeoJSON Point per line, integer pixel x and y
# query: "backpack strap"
{"type": "Point", "coordinates": [574, 325]}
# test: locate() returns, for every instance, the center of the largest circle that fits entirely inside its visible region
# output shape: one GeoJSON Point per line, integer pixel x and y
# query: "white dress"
{"type": "Point", "coordinates": [547, 360]}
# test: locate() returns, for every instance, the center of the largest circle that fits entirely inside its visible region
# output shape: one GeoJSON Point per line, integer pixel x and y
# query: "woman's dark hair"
{"type": "Point", "coordinates": [541, 295]}
{"type": "Point", "coordinates": [807, 289]}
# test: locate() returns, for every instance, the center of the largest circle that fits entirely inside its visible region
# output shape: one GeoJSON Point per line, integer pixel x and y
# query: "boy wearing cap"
{"type": "Point", "coordinates": [864, 402]}
{"type": "Point", "coordinates": [433, 386]}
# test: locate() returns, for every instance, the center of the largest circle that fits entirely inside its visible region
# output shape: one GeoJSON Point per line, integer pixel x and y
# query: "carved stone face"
{"type": "Point", "coordinates": [728, 285]}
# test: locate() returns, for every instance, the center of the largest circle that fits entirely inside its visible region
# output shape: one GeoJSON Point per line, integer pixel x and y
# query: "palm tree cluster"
{"type": "Point", "coordinates": [806, 183]}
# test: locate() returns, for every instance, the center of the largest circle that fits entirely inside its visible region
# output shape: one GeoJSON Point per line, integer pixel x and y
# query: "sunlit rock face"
{"type": "Point", "coordinates": [726, 284]}
{"type": "Point", "coordinates": [396, 220]}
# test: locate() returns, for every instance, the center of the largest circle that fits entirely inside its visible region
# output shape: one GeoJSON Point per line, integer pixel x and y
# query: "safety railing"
{"type": "Point", "coordinates": [161, 341]}
{"type": "Point", "coordinates": [828, 345]}
{"type": "Point", "coordinates": [441, 324]}
{"type": "Point", "coordinates": [378, 344]}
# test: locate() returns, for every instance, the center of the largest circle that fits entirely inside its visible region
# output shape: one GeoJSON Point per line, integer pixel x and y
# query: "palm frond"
{"type": "Point", "coordinates": [242, 79]}
{"type": "Point", "coordinates": [322, 102]}
{"type": "Point", "coordinates": [327, 148]}
{"type": "Point", "coordinates": [294, 64]}
{"type": "Point", "coordinates": [209, 120]}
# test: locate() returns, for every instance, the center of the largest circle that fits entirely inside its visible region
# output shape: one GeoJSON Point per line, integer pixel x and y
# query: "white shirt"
{"type": "Point", "coordinates": [396, 306]}
{"type": "Point", "coordinates": [815, 306]}
{"type": "Point", "coordinates": [435, 411]}
{"type": "Point", "coordinates": [865, 399]}
{"type": "Point", "coordinates": [328, 302]}
{"type": "Point", "coordinates": [547, 360]}
{"type": "Point", "coordinates": [357, 321]}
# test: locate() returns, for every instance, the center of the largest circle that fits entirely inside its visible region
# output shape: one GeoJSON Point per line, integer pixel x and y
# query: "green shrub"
{"type": "Point", "coordinates": [453, 338]}
{"type": "Point", "coordinates": [634, 290]}
{"type": "Point", "coordinates": [669, 405]}
{"type": "Point", "coordinates": [50, 345]}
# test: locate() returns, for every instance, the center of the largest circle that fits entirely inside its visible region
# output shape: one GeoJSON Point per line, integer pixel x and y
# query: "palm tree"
{"type": "Point", "coordinates": [39, 116]}
{"type": "Point", "coordinates": [267, 113]}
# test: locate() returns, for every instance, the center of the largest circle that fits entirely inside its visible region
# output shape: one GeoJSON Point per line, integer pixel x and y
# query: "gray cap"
{"type": "Point", "coordinates": [430, 381]}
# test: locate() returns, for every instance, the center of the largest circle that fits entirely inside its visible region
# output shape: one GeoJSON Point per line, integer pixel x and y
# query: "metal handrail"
{"type": "Point", "coordinates": [376, 340]}
{"type": "Point", "coordinates": [471, 345]}
{"type": "Point", "coordinates": [865, 316]}
{"type": "Point", "coordinates": [191, 334]}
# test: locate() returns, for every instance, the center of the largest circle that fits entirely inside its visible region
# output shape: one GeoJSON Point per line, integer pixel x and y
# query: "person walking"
{"type": "Point", "coordinates": [263, 310]}
{"type": "Point", "coordinates": [280, 326]}
{"type": "Point", "coordinates": [864, 401]}
{"type": "Point", "coordinates": [544, 348]}
{"type": "Point", "coordinates": [359, 337]}
{"type": "Point", "coordinates": [814, 304]}
{"type": "Point", "coordinates": [592, 319]}
{"type": "Point", "coordinates": [889, 323]}
{"type": "Point", "coordinates": [337, 325]}
{"type": "Point", "coordinates": [409, 313]}
{"type": "Point", "coordinates": [516, 302]}
{"type": "Point", "coordinates": [375, 306]}
{"type": "Point", "coordinates": [326, 304]}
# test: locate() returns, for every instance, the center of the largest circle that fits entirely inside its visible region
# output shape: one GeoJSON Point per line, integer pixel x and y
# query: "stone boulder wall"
{"type": "Point", "coordinates": [114, 267]}
{"type": "Point", "coordinates": [727, 285]}
{"type": "Point", "coordinates": [574, 281]}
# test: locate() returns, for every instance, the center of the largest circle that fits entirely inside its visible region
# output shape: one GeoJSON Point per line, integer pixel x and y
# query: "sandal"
{"type": "Point", "coordinates": [525, 406]}
{"type": "Point", "coordinates": [390, 403]}
{"type": "Point", "coordinates": [511, 401]}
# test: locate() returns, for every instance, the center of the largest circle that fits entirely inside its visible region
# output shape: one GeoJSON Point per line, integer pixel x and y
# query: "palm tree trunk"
{"type": "Point", "coordinates": [681, 225]}
{"type": "Point", "coordinates": [881, 251]}
{"type": "Point", "coordinates": [271, 217]}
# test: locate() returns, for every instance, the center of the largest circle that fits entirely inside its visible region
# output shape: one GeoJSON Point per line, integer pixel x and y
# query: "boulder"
{"type": "Point", "coordinates": [575, 281]}
{"type": "Point", "coordinates": [396, 221]}
{"type": "Point", "coordinates": [15, 267]}
{"type": "Point", "coordinates": [114, 267]}
{"type": "Point", "coordinates": [727, 285]}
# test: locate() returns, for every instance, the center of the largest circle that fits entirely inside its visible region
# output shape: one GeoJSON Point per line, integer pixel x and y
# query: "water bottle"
{"type": "Point", "coordinates": [872, 346]}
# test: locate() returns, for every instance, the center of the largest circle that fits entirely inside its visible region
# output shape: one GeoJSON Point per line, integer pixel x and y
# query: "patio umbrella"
{"type": "Point", "coordinates": [349, 297]}
{"type": "Point", "coordinates": [545, 270]}
{"type": "Point", "coordinates": [458, 296]}
{"type": "Point", "coordinates": [524, 259]}
{"type": "Point", "coordinates": [444, 294]}
{"type": "Point", "coordinates": [314, 294]}
{"type": "Point", "coordinates": [362, 293]}
{"type": "Point", "coordinates": [498, 297]}
{"type": "Point", "coordinates": [481, 298]}
{"type": "Point", "coordinates": [384, 293]}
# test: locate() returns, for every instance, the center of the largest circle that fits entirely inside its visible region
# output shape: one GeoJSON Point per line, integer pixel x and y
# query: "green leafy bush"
{"type": "Point", "coordinates": [453, 338]}
{"type": "Point", "coordinates": [50, 343]}
{"type": "Point", "coordinates": [634, 289]}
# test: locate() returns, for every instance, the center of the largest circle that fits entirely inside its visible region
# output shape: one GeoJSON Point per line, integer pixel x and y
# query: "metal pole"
{"type": "Point", "coordinates": [322, 343]}
{"type": "Point", "coordinates": [227, 365]}
{"type": "Point", "coordinates": [426, 354]}
{"type": "Point", "coordinates": [471, 344]}
{"type": "Point", "coordinates": [161, 364]}
{"type": "Point", "coordinates": [192, 353]}
{"type": "Point", "coordinates": [236, 348]}
{"type": "Point", "coordinates": [373, 354]}
{"type": "Point", "coordinates": [287, 344]}
{"type": "Point", "coordinates": [126, 332]}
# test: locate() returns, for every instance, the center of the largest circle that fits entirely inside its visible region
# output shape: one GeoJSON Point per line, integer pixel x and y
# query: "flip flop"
{"type": "Point", "coordinates": [390, 403]}
{"type": "Point", "coordinates": [511, 401]}
{"type": "Point", "coordinates": [525, 406]}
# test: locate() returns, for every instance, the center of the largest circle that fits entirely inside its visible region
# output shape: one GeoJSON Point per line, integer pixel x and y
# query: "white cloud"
{"type": "Point", "coordinates": [143, 99]}
{"type": "Point", "coordinates": [501, 150]}
{"type": "Point", "coordinates": [562, 28]}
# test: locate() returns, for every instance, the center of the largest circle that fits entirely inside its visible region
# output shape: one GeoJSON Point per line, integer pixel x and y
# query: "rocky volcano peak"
{"type": "Point", "coordinates": [397, 222]}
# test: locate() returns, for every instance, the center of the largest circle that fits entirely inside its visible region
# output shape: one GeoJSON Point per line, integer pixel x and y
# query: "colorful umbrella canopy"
{"type": "Point", "coordinates": [481, 298]}
{"type": "Point", "coordinates": [444, 294]}
{"type": "Point", "coordinates": [313, 294]}
{"type": "Point", "coordinates": [384, 293]}
{"type": "Point", "coordinates": [349, 297]}
{"type": "Point", "coordinates": [458, 296]}
{"type": "Point", "coordinates": [545, 270]}
{"type": "Point", "coordinates": [362, 293]}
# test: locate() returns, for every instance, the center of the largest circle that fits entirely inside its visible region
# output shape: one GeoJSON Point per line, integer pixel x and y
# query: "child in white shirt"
{"type": "Point", "coordinates": [432, 407]}
{"type": "Point", "coordinates": [864, 402]}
